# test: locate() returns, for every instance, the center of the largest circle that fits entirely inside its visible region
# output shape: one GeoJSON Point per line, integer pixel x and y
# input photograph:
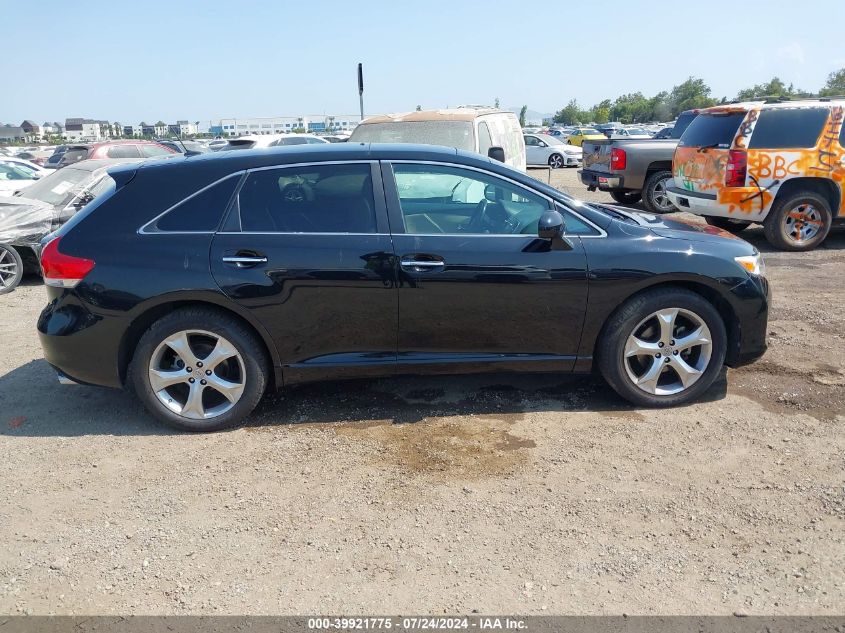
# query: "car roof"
{"type": "Point", "coordinates": [98, 163]}
{"type": "Point", "coordinates": [452, 114]}
{"type": "Point", "coordinates": [744, 106]}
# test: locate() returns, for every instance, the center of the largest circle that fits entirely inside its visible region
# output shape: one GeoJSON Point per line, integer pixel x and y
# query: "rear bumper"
{"type": "Point", "coordinates": [695, 202]}
{"type": "Point", "coordinates": [602, 180]}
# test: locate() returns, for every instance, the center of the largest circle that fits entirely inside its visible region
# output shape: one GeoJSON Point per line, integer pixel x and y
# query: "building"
{"type": "Point", "coordinates": [182, 128]}
{"type": "Point", "coordinates": [282, 124]}
{"type": "Point", "coordinates": [12, 133]}
{"type": "Point", "coordinates": [77, 129]}
{"type": "Point", "coordinates": [32, 130]}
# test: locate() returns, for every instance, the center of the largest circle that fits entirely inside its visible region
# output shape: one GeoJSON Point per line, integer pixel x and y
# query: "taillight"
{"type": "Point", "coordinates": [736, 168]}
{"type": "Point", "coordinates": [618, 158]}
{"type": "Point", "coordinates": [60, 270]}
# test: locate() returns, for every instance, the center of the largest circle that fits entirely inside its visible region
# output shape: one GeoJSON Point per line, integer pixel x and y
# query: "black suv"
{"type": "Point", "coordinates": [202, 282]}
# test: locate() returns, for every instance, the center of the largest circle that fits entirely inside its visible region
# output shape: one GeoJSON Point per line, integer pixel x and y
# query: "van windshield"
{"type": "Point", "coordinates": [456, 134]}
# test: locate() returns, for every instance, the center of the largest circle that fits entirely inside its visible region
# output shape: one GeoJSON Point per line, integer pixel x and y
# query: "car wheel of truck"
{"type": "Point", "coordinates": [727, 224]}
{"type": "Point", "coordinates": [199, 369]}
{"type": "Point", "coordinates": [626, 197]}
{"type": "Point", "coordinates": [11, 269]}
{"type": "Point", "coordinates": [555, 161]}
{"type": "Point", "coordinates": [655, 198]}
{"type": "Point", "coordinates": [663, 347]}
{"type": "Point", "coordinates": [798, 222]}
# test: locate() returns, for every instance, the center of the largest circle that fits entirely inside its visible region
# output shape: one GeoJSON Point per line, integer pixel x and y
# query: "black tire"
{"type": "Point", "coordinates": [626, 197]}
{"type": "Point", "coordinates": [11, 268]}
{"type": "Point", "coordinates": [556, 161]}
{"type": "Point", "coordinates": [654, 192]}
{"type": "Point", "coordinates": [775, 225]}
{"type": "Point", "coordinates": [610, 348]}
{"type": "Point", "coordinates": [726, 224]}
{"type": "Point", "coordinates": [247, 344]}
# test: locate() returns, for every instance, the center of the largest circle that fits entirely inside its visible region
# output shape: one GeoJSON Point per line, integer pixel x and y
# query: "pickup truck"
{"type": "Point", "coordinates": [630, 169]}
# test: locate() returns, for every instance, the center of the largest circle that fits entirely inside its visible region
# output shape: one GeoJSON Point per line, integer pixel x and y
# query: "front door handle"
{"type": "Point", "coordinates": [418, 263]}
{"type": "Point", "coordinates": [245, 261]}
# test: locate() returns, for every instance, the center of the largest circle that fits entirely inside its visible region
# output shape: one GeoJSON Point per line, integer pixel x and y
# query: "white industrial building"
{"type": "Point", "coordinates": [280, 124]}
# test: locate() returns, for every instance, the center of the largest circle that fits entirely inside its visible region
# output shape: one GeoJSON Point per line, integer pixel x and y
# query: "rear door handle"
{"type": "Point", "coordinates": [414, 263]}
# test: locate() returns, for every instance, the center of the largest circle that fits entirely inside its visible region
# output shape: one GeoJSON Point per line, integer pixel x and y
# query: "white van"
{"type": "Point", "coordinates": [473, 129]}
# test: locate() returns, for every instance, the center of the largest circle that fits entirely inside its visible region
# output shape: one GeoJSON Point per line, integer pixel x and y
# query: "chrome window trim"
{"type": "Point", "coordinates": [601, 231]}
{"type": "Point", "coordinates": [356, 161]}
{"type": "Point", "coordinates": [297, 233]}
{"type": "Point", "coordinates": [144, 230]}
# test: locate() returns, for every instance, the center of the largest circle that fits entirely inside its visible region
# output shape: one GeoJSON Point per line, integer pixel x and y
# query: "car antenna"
{"type": "Point", "coordinates": [183, 146]}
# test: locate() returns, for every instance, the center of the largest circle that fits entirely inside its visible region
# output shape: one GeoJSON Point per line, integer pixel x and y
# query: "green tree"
{"type": "Point", "coordinates": [419, 108]}
{"type": "Point", "coordinates": [496, 103]}
{"type": "Point", "coordinates": [693, 93]}
{"type": "Point", "coordinates": [631, 108]}
{"type": "Point", "coordinates": [522, 112]}
{"type": "Point", "coordinates": [570, 115]}
{"type": "Point", "coordinates": [835, 84]}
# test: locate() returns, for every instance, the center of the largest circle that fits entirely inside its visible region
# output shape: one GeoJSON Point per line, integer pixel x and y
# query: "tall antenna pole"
{"type": "Point", "coordinates": [361, 88]}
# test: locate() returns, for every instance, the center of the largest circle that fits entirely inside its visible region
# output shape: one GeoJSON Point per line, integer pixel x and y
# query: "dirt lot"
{"type": "Point", "coordinates": [497, 494]}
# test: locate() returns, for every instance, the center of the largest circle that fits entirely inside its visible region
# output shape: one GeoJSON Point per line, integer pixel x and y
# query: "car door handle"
{"type": "Point", "coordinates": [420, 265]}
{"type": "Point", "coordinates": [244, 261]}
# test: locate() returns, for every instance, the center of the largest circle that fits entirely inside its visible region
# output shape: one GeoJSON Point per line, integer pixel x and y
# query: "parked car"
{"type": "Point", "coordinates": [53, 161]}
{"type": "Point", "coordinates": [630, 132]}
{"type": "Point", "coordinates": [204, 283]}
{"type": "Point", "coordinates": [631, 170]}
{"type": "Point", "coordinates": [43, 207]}
{"type": "Point", "coordinates": [28, 166]}
{"type": "Point", "coordinates": [544, 149]}
{"type": "Point", "coordinates": [188, 148]}
{"type": "Point", "coordinates": [258, 141]}
{"type": "Point", "coordinates": [14, 178]}
{"type": "Point", "coordinates": [217, 144]}
{"type": "Point", "coordinates": [487, 131]}
{"type": "Point", "coordinates": [581, 134]}
{"type": "Point", "coordinates": [114, 149]}
{"type": "Point", "coordinates": [775, 164]}
{"type": "Point", "coordinates": [609, 129]}
{"type": "Point", "coordinates": [665, 132]}
{"type": "Point", "coordinates": [38, 156]}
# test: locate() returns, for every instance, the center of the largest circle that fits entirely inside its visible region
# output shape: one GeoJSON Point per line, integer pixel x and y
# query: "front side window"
{"type": "Point", "coordinates": [438, 199]}
{"type": "Point", "coordinates": [309, 199]}
{"type": "Point", "coordinates": [532, 141]}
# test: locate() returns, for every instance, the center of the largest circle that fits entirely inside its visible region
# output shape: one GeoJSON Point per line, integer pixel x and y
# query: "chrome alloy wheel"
{"type": "Point", "coordinates": [197, 374]}
{"type": "Point", "coordinates": [668, 351]}
{"type": "Point", "coordinates": [9, 270]}
{"type": "Point", "coordinates": [661, 198]}
{"type": "Point", "coordinates": [555, 161]}
{"type": "Point", "coordinates": [802, 223]}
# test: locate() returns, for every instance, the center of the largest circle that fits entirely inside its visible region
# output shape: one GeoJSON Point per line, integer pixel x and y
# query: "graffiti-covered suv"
{"type": "Point", "coordinates": [780, 164]}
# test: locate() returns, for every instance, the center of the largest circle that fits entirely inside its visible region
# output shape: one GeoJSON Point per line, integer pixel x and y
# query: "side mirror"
{"type": "Point", "coordinates": [550, 225]}
{"type": "Point", "coordinates": [542, 144]}
{"type": "Point", "coordinates": [496, 153]}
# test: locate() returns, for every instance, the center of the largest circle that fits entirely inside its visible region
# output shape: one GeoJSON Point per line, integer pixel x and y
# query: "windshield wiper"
{"type": "Point", "coordinates": [710, 146]}
{"type": "Point", "coordinates": [613, 213]}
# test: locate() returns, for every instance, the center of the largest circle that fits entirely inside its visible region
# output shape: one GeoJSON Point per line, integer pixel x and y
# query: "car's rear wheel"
{"type": "Point", "coordinates": [626, 197]}
{"type": "Point", "coordinates": [662, 348]}
{"type": "Point", "coordinates": [555, 161]}
{"type": "Point", "coordinates": [655, 198]}
{"type": "Point", "coordinates": [726, 224]}
{"type": "Point", "coordinates": [199, 369]}
{"type": "Point", "coordinates": [11, 268]}
{"type": "Point", "coordinates": [798, 222]}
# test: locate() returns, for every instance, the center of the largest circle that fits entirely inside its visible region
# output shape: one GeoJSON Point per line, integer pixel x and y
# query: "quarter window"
{"type": "Point", "coordinates": [313, 199]}
{"type": "Point", "coordinates": [202, 212]}
{"type": "Point", "coordinates": [440, 199]}
{"type": "Point", "coordinates": [788, 128]}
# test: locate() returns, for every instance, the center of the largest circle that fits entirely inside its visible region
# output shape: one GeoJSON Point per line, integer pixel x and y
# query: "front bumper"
{"type": "Point", "coordinates": [601, 180]}
{"type": "Point", "coordinates": [752, 300]}
{"type": "Point", "coordinates": [572, 161]}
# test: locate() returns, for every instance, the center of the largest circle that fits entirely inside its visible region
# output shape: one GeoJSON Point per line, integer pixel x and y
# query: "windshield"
{"type": "Point", "coordinates": [59, 188]}
{"type": "Point", "coordinates": [456, 134]}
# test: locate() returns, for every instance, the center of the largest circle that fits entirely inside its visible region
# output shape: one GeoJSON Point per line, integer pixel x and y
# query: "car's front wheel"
{"type": "Point", "coordinates": [11, 269]}
{"type": "Point", "coordinates": [555, 161]}
{"type": "Point", "coordinates": [199, 369]}
{"type": "Point", "coordinates": [663, 347]}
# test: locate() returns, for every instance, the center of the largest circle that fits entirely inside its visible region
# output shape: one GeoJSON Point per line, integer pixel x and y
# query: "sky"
{"type": "Point", "coordinates": [206, 59]}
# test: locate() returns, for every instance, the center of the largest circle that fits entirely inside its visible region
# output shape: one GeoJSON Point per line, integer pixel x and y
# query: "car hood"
{"type": "Point", "coordinates": [676, 228]}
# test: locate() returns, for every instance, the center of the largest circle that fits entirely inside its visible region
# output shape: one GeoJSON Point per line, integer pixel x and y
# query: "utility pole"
{"type": "Point", "coordinates": [361, 88]}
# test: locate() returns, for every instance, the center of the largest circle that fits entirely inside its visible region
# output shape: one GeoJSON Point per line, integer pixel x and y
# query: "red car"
{"type": "Point", "coordinates": [114, 149]}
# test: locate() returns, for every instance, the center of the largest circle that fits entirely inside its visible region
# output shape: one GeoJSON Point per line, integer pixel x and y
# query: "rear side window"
{"type": "Point", "coordinates": [151, 151]}
{"type": "Point", "coordinates": [787, 128]}
{"type": "Point", "coordinates": [74, 156]}
{"type": "Point", "coordinates": [712, 130]}
{"type": "Point", "coordinates": [202, 211]}
{"type": "Point", "coordinates": [123, 151]}
{"type": "Point", "coordinates": [316, 199]}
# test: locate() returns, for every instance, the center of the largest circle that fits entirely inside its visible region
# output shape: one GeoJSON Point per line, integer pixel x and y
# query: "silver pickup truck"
{"type": "Point", "coordinates": [630, 169]}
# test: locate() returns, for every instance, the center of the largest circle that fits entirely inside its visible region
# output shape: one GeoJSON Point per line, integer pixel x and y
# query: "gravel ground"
{"type": "Point", "coordinates": [522, 494]}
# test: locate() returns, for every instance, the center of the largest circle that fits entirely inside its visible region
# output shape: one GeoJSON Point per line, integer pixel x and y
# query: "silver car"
{"type": "Point", "coordinates": [544, 149]}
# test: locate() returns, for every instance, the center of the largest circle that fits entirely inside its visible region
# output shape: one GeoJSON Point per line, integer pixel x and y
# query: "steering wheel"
{"type": "Point", "coordinates": [479, 221]}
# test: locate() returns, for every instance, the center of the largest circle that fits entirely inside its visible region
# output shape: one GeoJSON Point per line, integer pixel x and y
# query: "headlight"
{"type": "Point", "coordinates": [754, 264]}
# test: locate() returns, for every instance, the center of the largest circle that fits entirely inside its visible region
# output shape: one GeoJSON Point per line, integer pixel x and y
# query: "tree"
{"type": "Point", "coordinates": [419, 108]}
{"type": "Point", "coordinates": [835, 84]}
{"type": "Point", "coordinates": [496, 103]}
{"type": "Point", "coordinates": [522, 112]}
{"type": "Point", "coordinates": [570, 115]}
{"type": "Point", "coordinates": [631, 108]}
{"type": "Point", "coordinates": [693, 93]}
